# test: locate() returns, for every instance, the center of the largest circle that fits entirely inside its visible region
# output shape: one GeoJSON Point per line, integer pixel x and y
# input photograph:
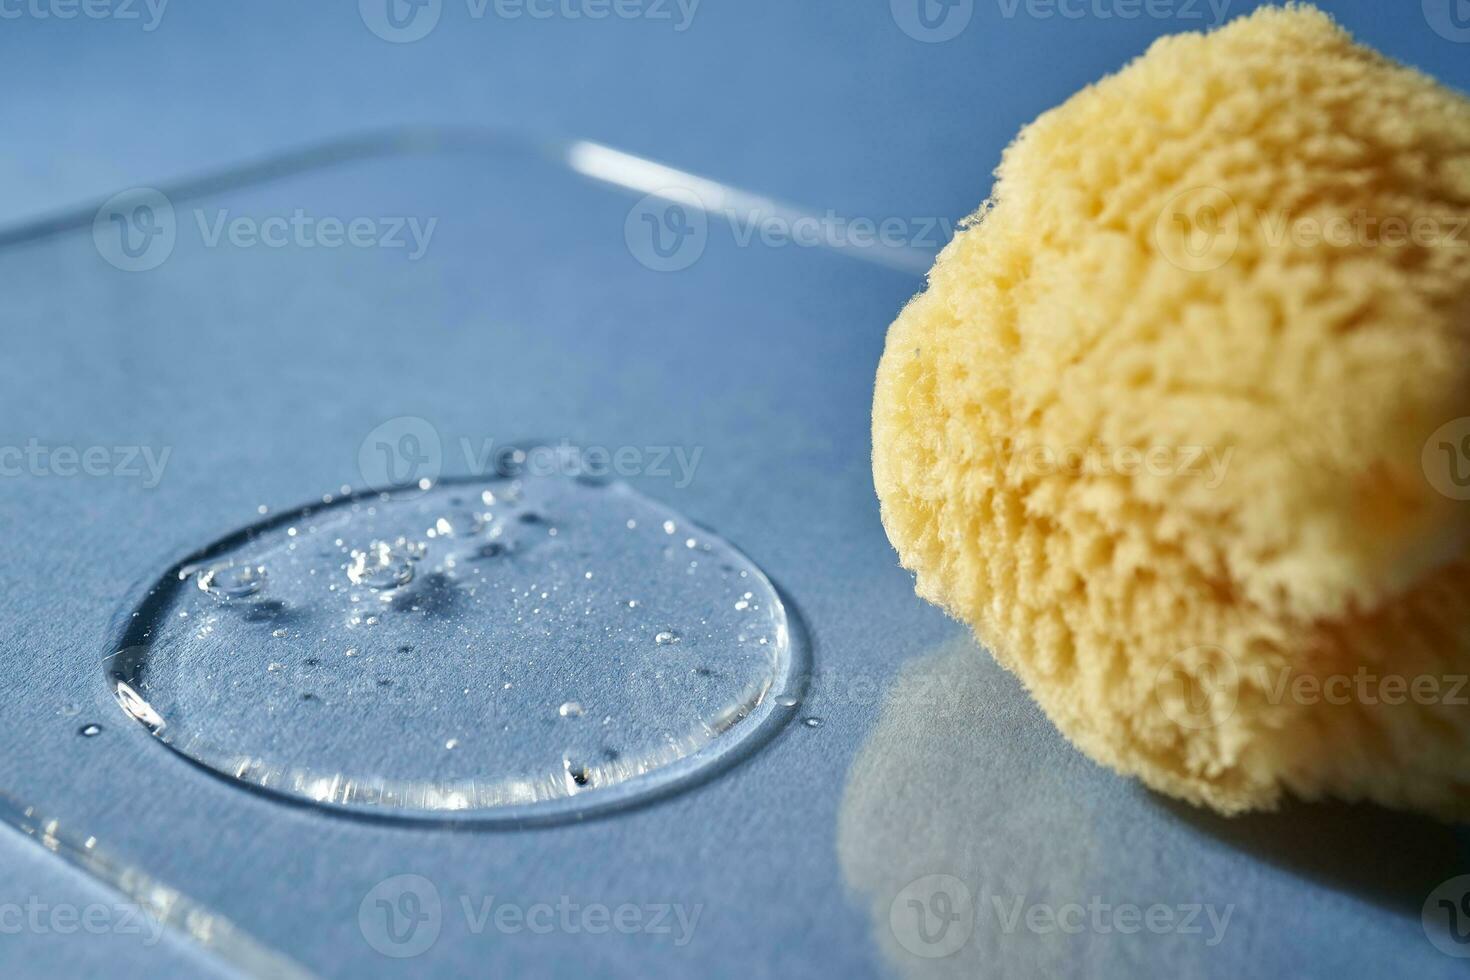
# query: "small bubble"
{"type": "Point", "coordinates": [665, 637]}
{"type": "Point", "coordinates": [452, 744]}
{"type": "Point", "coordinates": [670, 527]}
{"type": "Point", "coordinates": [460, 524]}
{"type": "Point", "coordinates": [278, 633]}
{"type": "Point", "coordinates": [231, 581]}
{"type": "Point", "coordinates": [382, 566]}
{"type": "Point", "coordinates": [90, 731]}
{"type": "Point", "coordinates": [570, 709]}
{"type": "Point", "coordinates": [786, 700]}
{"type": "Point", "coordinates": [812, 722]}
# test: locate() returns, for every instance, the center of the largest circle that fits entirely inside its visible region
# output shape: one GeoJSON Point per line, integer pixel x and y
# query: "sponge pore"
{"type": "Point", "coordinates": [1164, 426]}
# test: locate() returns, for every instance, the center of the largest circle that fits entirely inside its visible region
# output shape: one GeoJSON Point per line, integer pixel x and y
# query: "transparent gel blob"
{"type": "Point", "coordinates": [513, 648]}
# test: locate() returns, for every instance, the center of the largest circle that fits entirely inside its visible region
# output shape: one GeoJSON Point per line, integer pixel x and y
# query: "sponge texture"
{"type": "Point", "coordinates": [1158, 429]}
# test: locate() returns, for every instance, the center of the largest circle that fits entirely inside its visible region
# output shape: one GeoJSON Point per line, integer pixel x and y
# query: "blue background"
{"type": "Point", "coordinates": [263, 370]}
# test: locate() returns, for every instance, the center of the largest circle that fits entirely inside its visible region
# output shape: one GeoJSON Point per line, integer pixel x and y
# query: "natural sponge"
{"type": "Point", "coordinates": [1164, 427]}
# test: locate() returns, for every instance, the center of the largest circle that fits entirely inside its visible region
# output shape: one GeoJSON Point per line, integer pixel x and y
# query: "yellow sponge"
{"type": "Point", "coordinates": [1180, 424]}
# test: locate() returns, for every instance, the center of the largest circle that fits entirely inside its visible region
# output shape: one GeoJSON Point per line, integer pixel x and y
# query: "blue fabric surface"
{"type": "Point", "coordinates": [261, 371]}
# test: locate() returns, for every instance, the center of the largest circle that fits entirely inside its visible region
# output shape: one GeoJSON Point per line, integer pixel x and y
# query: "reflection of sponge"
{"type": "Point", "coordinates": [1155, 429]}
